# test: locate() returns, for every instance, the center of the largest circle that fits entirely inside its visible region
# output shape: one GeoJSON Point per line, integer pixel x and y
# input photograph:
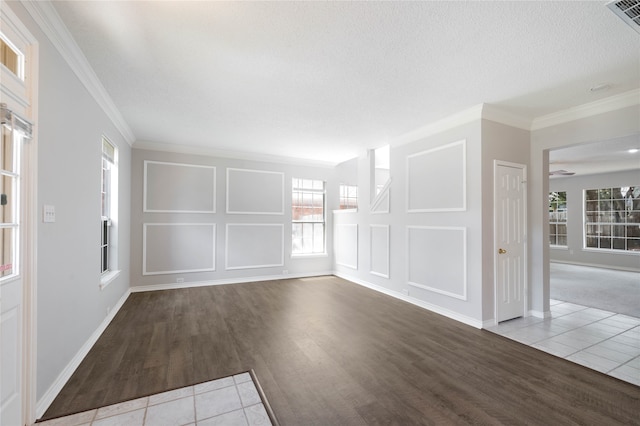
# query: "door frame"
{"type": "Point", "coordinates": [525, 290]}
{"type": "Point", "coordinates": [28, 210]}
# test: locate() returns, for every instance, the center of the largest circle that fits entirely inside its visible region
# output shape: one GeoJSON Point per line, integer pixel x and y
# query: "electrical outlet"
{"type": "Point", "coordinates": [48, 214]}
{"type": "Point", "coordinates": [285, 272]}
{"type": "Point", "coordinates": [405, 291]}
{"type": "Point", "coordinates": [179, 280]}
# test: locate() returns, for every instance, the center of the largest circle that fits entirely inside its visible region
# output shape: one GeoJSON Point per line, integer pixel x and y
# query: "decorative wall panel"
{"type": "Point", "coordinates": [253, 245]}
{"type": "Point", "coordinates": [437, 259]}
{"type": "Point", "coordinates": [179, 188]}
{"type": "Point", "coordinates": [255, 192]}
{"type": "Point", "coordinates": [170, 248]}
{"type": "Point", "coordinates": [380, 250]}
{"type": "Point", "coordinates": [346, 245]}
{"type": "Point", "coordinates": [436, 179]}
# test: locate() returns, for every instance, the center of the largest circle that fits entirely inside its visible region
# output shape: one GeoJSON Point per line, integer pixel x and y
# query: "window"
{"type": "Point", "coordinates": [612, 218]}
{"type": "Point", "coordinates": [307, 210]}
{"type": "Point", "coordinates": [348, 197]}
{"type": "Point", "coordinates": [381, 174]}
{"type": "Point", "coordinates": [9, 189]}
{"type": "Point", "coordinates": [109, 207]}
{"type": "Point", "coordinates": [11, 57]}
{"type": "Point", "coordinates": [558, 218]}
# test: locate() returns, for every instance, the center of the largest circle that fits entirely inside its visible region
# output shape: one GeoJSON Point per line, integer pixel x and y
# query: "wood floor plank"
{"type": "Point", "coordinates": [329, 352]}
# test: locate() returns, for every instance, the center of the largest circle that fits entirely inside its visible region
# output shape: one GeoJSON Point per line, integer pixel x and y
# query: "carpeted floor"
{"type": "Point", "coordinates": [606, 289]}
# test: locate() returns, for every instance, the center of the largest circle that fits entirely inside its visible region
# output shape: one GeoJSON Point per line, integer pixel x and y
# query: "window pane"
{"type": "Point", "coordinates": [605, 243]}
{"type": "Point", "coordinates": [6, 252]}
{"type": "Point", "coordinates": [562, 240]}
{"type": "Point", "coordinates": [7, 162]}
{"type": "Point", "coordinates": [619, 244]}
{"type": "Point", "coordinates": [592, 242]}
{"type": "Point", "coordinates": [633, 244]}
{"type": "Point", "coordinates": [318, 238]}
{"type": "Point", "coordinates": [307, 237]}
{"type": "Point", "coordinates": [7, 199]}
{"type": "Point", "coordinates": [108, 150]}
{"type": "Point", "coordinates": [10, 58]}
{"type": "Point", "coordinates": [297, 238]}
{"type": "Point", "coordinates": [562, 229]}
{"type": "Point", "coordinates": [604, 194]}
{"type": "Point", "coordinates": [591, 194]}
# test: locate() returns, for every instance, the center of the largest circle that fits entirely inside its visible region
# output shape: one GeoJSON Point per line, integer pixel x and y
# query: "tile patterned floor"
{"type": "Point", "coordinates": [230, 401]}
{"type": "Point", "coordinates": [601, 340]}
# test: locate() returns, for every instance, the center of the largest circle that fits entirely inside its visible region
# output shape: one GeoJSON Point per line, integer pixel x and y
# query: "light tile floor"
{"type": "Point", "coordinates": [230, 401]}
{"type": "Point", "coordinates": [600, 340]}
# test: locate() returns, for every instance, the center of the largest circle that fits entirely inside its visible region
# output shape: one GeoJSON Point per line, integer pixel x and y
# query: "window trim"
{"type": "Point", "coordinates": [322, 191]}
{"type": "Point", "coordinates": [586, 224]}
{"type": "Point", "coordinates": [111, 272]}
{"type": "Point", "coordinates": [345, 186]}
{"type": "Point", "coordinates": [565, 223]}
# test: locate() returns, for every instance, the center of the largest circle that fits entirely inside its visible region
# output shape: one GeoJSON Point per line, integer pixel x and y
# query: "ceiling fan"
{"type": "Point", "coordinates": [561, 172]}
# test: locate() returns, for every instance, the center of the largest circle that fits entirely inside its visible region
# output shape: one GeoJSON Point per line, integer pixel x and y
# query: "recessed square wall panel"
{"type": "Point", "coordinates": [380, 250]}
{"type": "Point", "coordinates": [254, 245]}
{"type": "Point", "coordinates": [436, 179]}
{"type": "Point", "coordinates": [170, 248]}
{"type": "Point", "coordinates": [255, 192]}
{"type": "Point", "coordinates": [346, 245]}
{"type": "Point", "coordinates": [179, 188]}
{"type": "Point", "coordinates": [437, 259]}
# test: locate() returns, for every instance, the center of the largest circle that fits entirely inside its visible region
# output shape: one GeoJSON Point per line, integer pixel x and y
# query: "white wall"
{"type": "Point", "coordinates": [70, 304]}
{"type": "Point", "coordinates": [596, 128]}
{"type": "Point", "coordinates": [256, 187]}
{"type": "Point", "coordinates": [505, 143]}
{"type": "Point", "coordinates": [415, 237]}
{"type": "Point", "coordinates": [575, 251]}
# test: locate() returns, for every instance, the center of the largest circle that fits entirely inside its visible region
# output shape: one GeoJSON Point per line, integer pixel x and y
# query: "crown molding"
{"type": "Point", "coordinates": [493, 113]}
{"type": "Point", "coordinates": [590, 109]}
{"type": "Point", "coordinates": [46, 17]}
{"type": "Point", "coordinates": [232, 155]}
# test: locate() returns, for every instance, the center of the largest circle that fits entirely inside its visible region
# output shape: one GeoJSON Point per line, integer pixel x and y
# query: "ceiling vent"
{"type": "Point", "coordinates": [628, 11]}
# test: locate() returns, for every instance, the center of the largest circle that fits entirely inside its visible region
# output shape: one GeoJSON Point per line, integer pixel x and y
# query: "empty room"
{"type": "Point", "coordinates": [319, 213]}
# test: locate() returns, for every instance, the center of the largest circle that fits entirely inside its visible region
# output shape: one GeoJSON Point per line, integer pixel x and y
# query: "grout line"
{"type": "Point", "coordinates": [577, 351]}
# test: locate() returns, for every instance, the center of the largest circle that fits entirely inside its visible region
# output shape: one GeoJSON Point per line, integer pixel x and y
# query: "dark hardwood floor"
{"type": "Point", "coordinates": [330, 352]}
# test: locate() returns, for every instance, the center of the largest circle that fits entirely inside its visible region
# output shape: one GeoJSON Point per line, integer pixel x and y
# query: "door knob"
{"type": "Point", "coordinates": [502, 251]}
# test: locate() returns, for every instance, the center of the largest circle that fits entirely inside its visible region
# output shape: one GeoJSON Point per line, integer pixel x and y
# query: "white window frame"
{"type": "Point", "coordinates": [588, 210]}
{"type": "Point", "coordinates": [346, 196]}
{"type": "Point", "coordinates": [310, 187]}
{"type": "Point", "coordinates": [109, 214]}
{"type": "Point", "coordinates": [561, 218]}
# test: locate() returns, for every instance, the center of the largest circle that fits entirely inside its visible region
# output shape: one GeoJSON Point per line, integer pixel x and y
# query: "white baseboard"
{"type": "Point", "coordinates": [43, 404]}
{"type": "Point", "coordinates": [597, 265]}
{"type": "Point", "coordinates": [540, 314]}
{"type": "Point", "coordinates": [240, 280]}
{"type": "Point", "coordinates": [489, 323]}
{"type": "Point", "coordinates": [425, 305]}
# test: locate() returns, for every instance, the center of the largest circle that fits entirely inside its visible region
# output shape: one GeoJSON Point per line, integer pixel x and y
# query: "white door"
{"type": "Point", "coordinates": [11, 291]}
{"type": "Point", "coordinates": [510, 240]}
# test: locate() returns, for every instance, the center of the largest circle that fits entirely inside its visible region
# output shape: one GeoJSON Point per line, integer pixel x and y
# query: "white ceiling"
{"type": "Point", "coordinates": [324, 81]}
{"type": "Point", "coordinates": [598, 157]}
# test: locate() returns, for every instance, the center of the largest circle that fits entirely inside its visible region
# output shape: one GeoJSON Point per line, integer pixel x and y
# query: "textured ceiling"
{"type": "Point", "coordinates": [324, 81]}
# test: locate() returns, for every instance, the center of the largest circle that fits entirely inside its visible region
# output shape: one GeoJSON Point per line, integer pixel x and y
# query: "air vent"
{"type": "Point", "coordinates": [628, 11]}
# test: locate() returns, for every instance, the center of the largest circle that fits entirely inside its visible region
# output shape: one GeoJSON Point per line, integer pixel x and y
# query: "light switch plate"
{"type": "Point", "coordinates": [48, 214]}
